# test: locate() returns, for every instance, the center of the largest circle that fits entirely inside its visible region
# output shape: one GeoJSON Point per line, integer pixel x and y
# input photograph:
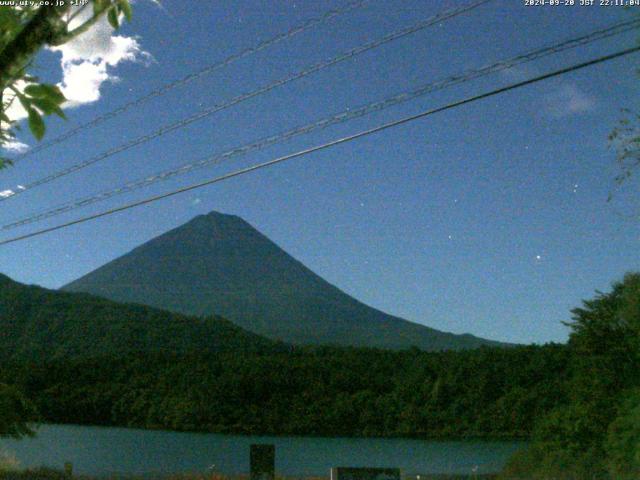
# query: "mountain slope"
{"type": "Point", "coordinates": [39, 324]}
{"type": "Point", "coordinates": [220, 264]}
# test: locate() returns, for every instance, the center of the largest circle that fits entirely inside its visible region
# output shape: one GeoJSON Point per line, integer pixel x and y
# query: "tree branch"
{"type": "Point", "coordinates": [40, 30]}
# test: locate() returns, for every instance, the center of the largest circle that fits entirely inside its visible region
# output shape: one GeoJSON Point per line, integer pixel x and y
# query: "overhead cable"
{"type": "Point", "coordinates": [341, 117]}
{"type": "Point", "coordinates": [326, 145]}
{"type": "Point", "coordinates": [306, 25]}
{"type": "Point", "coordinates": [436, 19]}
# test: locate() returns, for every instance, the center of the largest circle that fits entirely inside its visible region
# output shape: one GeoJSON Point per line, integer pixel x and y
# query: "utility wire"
{"type": "Point", "coordinates": [306, 25]}
{"type": "Point", "coordinates": [332, 143]}
{"type": "Point", "coordinates": [438, 18]}
{"type": "Point", "coordinates": [346, 115]}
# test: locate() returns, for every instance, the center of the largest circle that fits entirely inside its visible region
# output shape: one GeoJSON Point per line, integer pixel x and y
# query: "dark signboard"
{"type": "Point", "coordinates": [348, 473]}
{"type": "Point", "coordinates": [263, 461]}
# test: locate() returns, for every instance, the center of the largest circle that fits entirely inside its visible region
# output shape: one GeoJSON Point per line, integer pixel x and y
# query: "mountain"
{"type": "Point", "coordinates": [39, 324]}
{"type": "Point", "coordinates": [219, 264]}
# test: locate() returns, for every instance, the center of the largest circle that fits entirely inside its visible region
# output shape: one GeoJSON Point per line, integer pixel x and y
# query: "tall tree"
{"type": "Point", "coordinates": [596, 432]}
{"type": "Point", "coordinates": [623, 440]}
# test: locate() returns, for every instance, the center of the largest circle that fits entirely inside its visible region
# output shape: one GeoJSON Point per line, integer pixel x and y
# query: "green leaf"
{"type": "Point", "coordinates": [36, 124]}
{"type": "Point", "coordinates": [44, 90]}
{"type": "Point", "coordinates": [25, 101]}
{"type": "Point", "coordinates": [48, 107]}
{"type": "Point", "coordinates": [112, 16]}
{"type": "Point", "coordinates": [125, 7]}
{"type": "Point", "coordinates": [34, 91]}
{"type": "Point", "coordinates": [99, 6]}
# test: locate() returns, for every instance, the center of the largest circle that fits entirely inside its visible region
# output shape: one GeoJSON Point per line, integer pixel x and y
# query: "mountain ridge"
{"type": "Point", "coordinates": [37, 324]}
{"type": "Point", "coordinates": [220, 264]}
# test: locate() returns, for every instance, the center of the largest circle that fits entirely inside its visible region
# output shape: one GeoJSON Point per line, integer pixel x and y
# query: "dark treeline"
{"type": "Point", "coordinates": [578, 403]}
{"type": "Point", "coordinates": [489, 392]}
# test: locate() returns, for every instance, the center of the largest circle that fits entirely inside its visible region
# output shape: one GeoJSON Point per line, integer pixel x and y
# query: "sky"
{"type": "Point", "coordinates": [491, 218]}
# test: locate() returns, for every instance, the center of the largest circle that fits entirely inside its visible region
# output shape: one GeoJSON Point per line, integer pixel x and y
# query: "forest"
{"type": "Point", "coordinates": [319, 391]}
{"type": "Point", "coordinates": [578, 403]}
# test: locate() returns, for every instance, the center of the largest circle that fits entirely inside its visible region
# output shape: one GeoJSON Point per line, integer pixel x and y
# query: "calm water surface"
{"type": "Point", "coordinates": [105, 451]}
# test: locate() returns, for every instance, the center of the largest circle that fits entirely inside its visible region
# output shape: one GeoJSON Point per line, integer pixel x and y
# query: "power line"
{"type": "Point", "coordinates": [338, 118]}
{"type": "Point", "coordinates": [324, 146]}
{"type": "Point", "coordinates": [438, 18]}
{"type": "Point", "coordinates": [306, 25]}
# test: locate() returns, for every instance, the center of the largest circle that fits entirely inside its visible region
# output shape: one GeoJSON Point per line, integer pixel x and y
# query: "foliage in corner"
{"type": "Point", "coordinates": [623, 440]}
{"type": "Point", "coordinates": [24, 31]}
{"type": "Point", "coordinates": [596, 433]}
{"type": "Point", "coordinates": [625, 139]}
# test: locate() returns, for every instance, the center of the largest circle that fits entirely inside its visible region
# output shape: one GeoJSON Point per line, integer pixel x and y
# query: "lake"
{"type": "Point", "coordinates": [104, 451]}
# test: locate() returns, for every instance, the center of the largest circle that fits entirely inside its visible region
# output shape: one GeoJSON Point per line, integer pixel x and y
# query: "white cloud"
{"type": "Point", "coordinates": [82, 82]}
{"type": "Point", "coordinates": [87, 60]}
{"type": "Point", "coordinates": [6, 193]}
{"type": "Point", "coordinates": [15, 111]}
{"type": "Point", "coordinates": [87, 63]}
{"type": "Point", "coordinates": [15, 146]}
{"type": "Point", "coordinates": [568, 100]}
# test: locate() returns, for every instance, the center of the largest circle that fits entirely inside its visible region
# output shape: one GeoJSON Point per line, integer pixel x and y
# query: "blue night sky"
{"type": "Point", "coordinates": [491, 218]}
